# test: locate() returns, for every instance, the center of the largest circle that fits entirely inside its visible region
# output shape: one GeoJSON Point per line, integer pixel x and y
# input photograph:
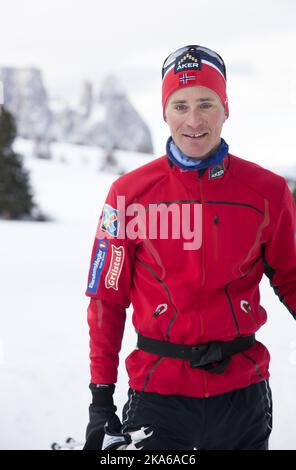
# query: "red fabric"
{"type": "Point", "coordinates": [248, 223]}
{"type": "Point", "coordinates": [208, 77]}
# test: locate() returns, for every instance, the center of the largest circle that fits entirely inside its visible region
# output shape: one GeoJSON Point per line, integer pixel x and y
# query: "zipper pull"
{"type": "Point", "coordinates": [160, 309]}
{"type": "Point", "coordinates": [201, 172]}
{"type": "Point", "coordinates": [245, 306]}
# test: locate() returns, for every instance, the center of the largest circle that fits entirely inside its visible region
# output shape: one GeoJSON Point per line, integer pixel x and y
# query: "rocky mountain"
{"type": "Point", "coordinates": [26, 98]}
{"type": "Point", "coordinates": [105, 118]}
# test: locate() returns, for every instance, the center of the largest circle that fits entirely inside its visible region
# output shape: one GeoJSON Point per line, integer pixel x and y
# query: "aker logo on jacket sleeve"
{"type": "Point", "coordinates": [110, 222]}
{"type": "Point", "coordinates": [116, 263]}
{"type": "Point", "coordinates": [97, 266]}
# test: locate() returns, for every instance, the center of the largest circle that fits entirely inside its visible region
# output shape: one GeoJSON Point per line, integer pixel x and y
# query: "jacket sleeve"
{"type": "Point", "coordinates": [280, 252]}
{"type": "Point", "coordinates": [109, 283]}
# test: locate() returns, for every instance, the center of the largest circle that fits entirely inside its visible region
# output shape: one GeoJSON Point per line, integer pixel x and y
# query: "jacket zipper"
{"type": "Point", "coordinates": [150, 372]}
{"type": "Point", "coordinates": [200, 176]}
{"type": "Point", "coordinates": [215, 237]}
{"type": "Point", "coordinates": [170, 324]}
{"type": "Point", "coordinates": [230, 301]}
{"type": "Point", "coordinates": [168, 294]}
{"type": "Point", "coordinates": [247, 356]}
{"type": "Point", "coordinates": [202, 282]}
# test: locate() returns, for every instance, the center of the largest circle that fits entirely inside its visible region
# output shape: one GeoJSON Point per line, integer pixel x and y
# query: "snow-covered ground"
{"type": "Point", "coordinates": [44, 393]}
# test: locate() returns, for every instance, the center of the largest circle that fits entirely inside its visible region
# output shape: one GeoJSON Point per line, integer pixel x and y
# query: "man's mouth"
{"type": "Point", "coordinates": [196, 136]}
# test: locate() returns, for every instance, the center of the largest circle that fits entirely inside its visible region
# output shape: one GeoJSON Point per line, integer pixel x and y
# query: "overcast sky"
{"type": "Point", "coordinates": [75, 40]}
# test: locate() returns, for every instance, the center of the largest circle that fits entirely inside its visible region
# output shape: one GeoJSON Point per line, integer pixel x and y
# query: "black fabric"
{"type": "Point", "coordinates": [203, 355]}
{"type": "Point", "coordinates": [102, 395]}
{"type": "Point", "coordinates": [98, 417]}
{"type": "Point", "coordinates": [236, 420]}
{"type": "Point", "coordinates": [101, 411]}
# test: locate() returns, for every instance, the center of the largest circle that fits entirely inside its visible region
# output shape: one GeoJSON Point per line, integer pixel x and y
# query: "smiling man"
{"type": "Point", "coordinates": [195, 116]}
{"type": "Point", "coordinates": [198, 377]}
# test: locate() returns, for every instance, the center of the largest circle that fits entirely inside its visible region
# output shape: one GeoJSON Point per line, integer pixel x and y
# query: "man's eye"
{"type": "Point", "coordinates": [205, 105]}
{"type": "Point", "coordinates": [180, 107]}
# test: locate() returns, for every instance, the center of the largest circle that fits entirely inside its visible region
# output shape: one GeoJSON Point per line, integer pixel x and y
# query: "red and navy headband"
{"type": "Point", "coordinates": [194, 66]}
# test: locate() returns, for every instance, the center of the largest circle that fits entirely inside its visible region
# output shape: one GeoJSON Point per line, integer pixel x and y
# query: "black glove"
{"type": "Point", "coordinates": [101, 411]}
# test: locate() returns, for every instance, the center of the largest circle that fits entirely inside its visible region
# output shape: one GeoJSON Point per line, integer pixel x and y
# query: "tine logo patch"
{"type": "Point", "coordinates": [116, 263]}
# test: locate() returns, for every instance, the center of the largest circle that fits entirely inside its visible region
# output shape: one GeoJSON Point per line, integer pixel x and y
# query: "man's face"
{"type": "Point", "coordinates": [195, 116]}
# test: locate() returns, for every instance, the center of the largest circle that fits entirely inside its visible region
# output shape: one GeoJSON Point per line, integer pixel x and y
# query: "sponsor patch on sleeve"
{"type": "Point", "coordinates": [116, 263]}
{"type": "Point", "coordinates": [97, 266]}
{"type": "Point", "coordinates": [110, 220]}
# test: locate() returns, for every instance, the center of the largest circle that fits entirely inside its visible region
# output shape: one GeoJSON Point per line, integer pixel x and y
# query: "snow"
{"type": "Point", "coordinates": [44, 395]}
{"type": "Point", "coordinates": [286, 171]}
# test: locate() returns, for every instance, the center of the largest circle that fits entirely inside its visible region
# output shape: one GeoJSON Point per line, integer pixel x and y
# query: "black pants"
{"type": "Point", "coordinates": [236, 420]}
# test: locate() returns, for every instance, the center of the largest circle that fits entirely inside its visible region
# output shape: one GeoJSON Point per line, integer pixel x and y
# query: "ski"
{"type": "Point", "coordinates": [69, 444]}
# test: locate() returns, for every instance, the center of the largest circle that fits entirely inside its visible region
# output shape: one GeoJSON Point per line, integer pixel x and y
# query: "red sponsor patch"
{"type": "Point", "coordinates": [116, 263]}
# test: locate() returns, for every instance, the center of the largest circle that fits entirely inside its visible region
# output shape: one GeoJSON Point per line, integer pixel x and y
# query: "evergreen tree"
{"type": "Point", "coordinates": [15, 193]}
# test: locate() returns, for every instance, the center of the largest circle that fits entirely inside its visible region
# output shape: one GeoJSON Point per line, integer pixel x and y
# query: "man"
{"type": "Point", "coordinates": [198, 378]}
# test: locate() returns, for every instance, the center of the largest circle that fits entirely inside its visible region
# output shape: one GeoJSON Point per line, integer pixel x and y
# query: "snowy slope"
{"type": "Point", "coordinates": [43, 337]}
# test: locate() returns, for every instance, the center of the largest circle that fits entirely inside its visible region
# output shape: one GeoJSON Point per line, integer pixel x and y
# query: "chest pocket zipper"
{"type": "Point", "coordinates": [215, 237]}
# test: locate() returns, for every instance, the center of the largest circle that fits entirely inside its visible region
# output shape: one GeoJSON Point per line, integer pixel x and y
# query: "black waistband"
{"type": "Point", "coordinates": [213, 356]}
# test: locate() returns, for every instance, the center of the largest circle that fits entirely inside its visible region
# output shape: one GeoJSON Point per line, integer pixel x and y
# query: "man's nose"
{"type": "Point", "coordinates": [194, 118]}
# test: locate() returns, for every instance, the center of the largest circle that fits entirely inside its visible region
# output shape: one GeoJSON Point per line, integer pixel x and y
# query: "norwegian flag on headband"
{"type": "Point", "coordinates": [185, 78]}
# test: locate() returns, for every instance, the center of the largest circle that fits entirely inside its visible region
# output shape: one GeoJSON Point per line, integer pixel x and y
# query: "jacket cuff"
{"type": "Point", "coordinates": [102, 395]}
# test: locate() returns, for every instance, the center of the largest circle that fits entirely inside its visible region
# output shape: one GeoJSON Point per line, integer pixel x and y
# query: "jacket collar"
{"type": "Point", "coordinates": [178, 158]}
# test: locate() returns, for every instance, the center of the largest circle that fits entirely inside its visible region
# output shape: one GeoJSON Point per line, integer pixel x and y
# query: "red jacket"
{"type": "Point", "coordinates": [209, 293]}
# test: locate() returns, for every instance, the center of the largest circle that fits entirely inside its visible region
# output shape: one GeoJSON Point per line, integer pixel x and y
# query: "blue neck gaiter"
{"type": "Point", "coordinates": [186, 163]}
